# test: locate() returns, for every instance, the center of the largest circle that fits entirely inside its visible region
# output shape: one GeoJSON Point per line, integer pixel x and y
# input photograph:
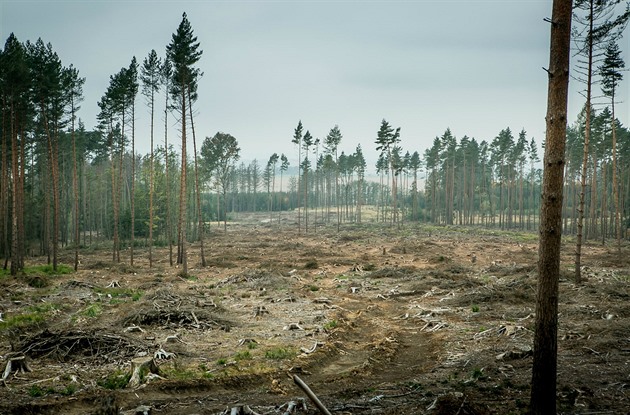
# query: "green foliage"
{"type": "Point", "coordinates": [116, 380]}
{"type": "Point", "coordinates": [37, 391]}
{"type": "Point", "coordinates": [332, 324]}
{"type": "Point", "coordinates": [93, 310]}
{"type": "Point", "coordinates": [477, 374]}
{"type": "Point", "coordinates": [116, 292]}
{"type": "Point", "coordinates": [244, 355]}
{"type": "Point", "coordinates": [280, 353]}
{"type": "Point", "coordinates": [475, 308]}
{"type": "Point", "coordinates": [182, 374]}
{"type": "Point", "coordinates": [69, 390]}
{"type": "Point", "coordinates": [21, 320]}
{"type": "Point", "coordinates": [222, 361]}
{"type": "Point", "coordinates": [313, 288]}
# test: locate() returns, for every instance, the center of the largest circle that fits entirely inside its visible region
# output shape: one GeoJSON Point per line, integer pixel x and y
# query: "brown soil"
{"type": "Point", "coordinates": [374, 319]}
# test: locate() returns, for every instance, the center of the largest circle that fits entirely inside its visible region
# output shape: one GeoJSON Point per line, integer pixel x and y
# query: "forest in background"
{"type": "Point", "coordinates": [66, 186]}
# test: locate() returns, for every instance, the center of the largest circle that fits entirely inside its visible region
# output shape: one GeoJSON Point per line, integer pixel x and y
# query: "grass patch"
{"type": "Point", "coordinates": [37, 391]}
{"type": "Point", "coordinates": [182, 374]}
{"type": "Point", "coordinates": [93, 310]}
{"type": "Point", "coordinates": [21, 321]}
{"type": "Point", "coordinates": [244, 355]}
{"type": "Point", "coordinates": [475, 308]}
{"type": "Point", "coordinates": [280, 353]}
{"type": "Point", "coordinates": [116, 380]}
{"type": "Point", "coordinates": [117, 292]}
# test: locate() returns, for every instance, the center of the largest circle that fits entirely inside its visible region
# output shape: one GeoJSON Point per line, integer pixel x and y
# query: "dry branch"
{"type": "Point", "coordinates": [311, 395]}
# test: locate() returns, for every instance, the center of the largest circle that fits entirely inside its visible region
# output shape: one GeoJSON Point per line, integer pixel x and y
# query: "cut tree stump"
{"type": "Point", "coordinates": [15, 364]}
{"type": "Point", "coordinates": [140, 367]}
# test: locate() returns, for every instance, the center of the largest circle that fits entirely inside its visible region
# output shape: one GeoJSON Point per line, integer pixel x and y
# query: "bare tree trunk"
{"type": "Point", "coordinates": [182, 193]}
{"type": "Point", "coordinates": [587, 134]}
{"type": "Point", "coordinates": [614, 177]}
{"type": "Point", "coordinates": [544, 370]}
{"type": "Point", "coordinates": [75, 187]}
{"type": "Point", "coordinates": [197, 190]}
{"type": "Point", "coordinates": [133, 179]}
{"type": "Point", "coordinates": [15, 247]}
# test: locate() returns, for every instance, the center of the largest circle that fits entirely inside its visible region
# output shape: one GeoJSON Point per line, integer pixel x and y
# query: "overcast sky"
{"type": "Point", "coordinates": [472, 66]}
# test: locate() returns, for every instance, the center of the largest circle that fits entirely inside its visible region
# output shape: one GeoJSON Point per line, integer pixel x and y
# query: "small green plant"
{"type": "Point", "coordinates": [116, 380]}
{"type": "Point", "coordinates": [332, 324]}
{"type": "Point", "coordinates": [181, 374]}
{"type": "Point", "coordinates": [221, 361]}
{"type": "Point", "coordinates": [93, 310]}
{"type": "Point", "coordinates": [244, 355]}
{"type": "Point", "coordinates": [280, 353]}
{"type": "Point", "coordinates": [36, 391]}
{"type": "Point", "coordinates": [475, 308]}
{"type": "Point", "coordinates": [69, 390]}
{"type": "Point", "coordinates": [477, 374]}
{"type": "Point", "coordinates": [252, 345]}
{"type": "Point", "coordinates": [313, 288]}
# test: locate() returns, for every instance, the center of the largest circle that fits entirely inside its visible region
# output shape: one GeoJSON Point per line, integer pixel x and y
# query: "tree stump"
{"type": "Point", "coordinates": [15, 364]}
{"type": "Point", "coordinates": [140, 367]}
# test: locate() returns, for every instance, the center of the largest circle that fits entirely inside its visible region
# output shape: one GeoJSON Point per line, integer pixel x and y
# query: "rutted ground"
{"type": "Point", "coordinates": [374, 319]}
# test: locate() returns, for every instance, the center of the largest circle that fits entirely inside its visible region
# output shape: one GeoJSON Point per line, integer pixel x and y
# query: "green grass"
{"type": "Point", "coordinates": [116, 380]}
{"type": "Point", "coordinates": [332, 324]}
{"type": "Point", "coordinates": [93, 310]}
{"type": "Point", "coordinates": [475, 308]}
{"type": "Point", "coordinates": [21, 320]}
{"type": "Point", "coordinates": [244, 355]}
{"type": "Point", "coordinates": [280, 353]}
{"type": "Point", "coordinates": [37, 391]}
{"type": "Point", "coordinates": [117, 292]}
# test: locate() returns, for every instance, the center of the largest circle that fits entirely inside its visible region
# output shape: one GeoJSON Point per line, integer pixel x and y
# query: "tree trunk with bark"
{"type": "Point", "coordinates": [544, 370]}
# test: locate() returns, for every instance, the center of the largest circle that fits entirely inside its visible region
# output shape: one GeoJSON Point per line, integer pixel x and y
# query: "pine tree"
{"type": "Point", "coordinates": [151, 80]}
{"type": "Point", "coordinates": [183, 52]}
{"type": "Point", "coordinates": [610, 71]}
{"type": "Point", "coordinates": [331, 144]}
{"type": "Point", "coordinates": [593, 30]}
{"type": "Point", "coordinates": [386, 139]}
{"type": "Point", "coordinates": [284, 166]}
{"type": "Point", "coordinates": [73, 87]}
{"type": "Point", "coordinates": [297, 140]}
